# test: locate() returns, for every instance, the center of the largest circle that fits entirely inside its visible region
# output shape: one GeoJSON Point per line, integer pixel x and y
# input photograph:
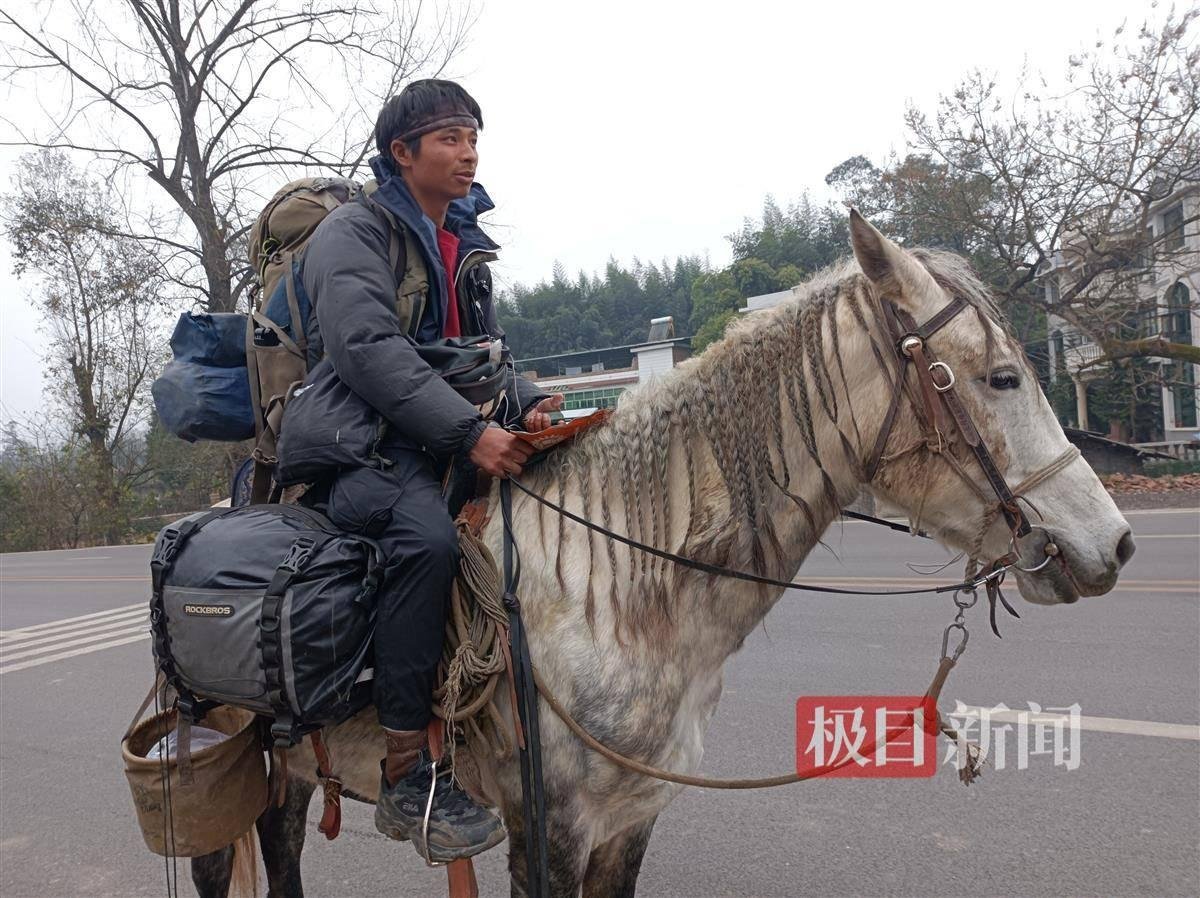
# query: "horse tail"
{"type": "Point", "coordinates": [243, 878]}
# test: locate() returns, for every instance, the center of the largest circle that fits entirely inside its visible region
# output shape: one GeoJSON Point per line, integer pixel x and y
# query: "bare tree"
{"type": "Point", "coordinates": [1067, 185]}
{"type": "Point", "coordinates": [218, 102]}
{"type": "Point", "coordinates": [43, 489]}
{"type": "Point", "coordinates": [102, 304]}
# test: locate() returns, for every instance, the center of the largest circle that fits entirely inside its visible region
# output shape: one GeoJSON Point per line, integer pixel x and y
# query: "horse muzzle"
{"type": "Point", "coordinates": [1056, 570]}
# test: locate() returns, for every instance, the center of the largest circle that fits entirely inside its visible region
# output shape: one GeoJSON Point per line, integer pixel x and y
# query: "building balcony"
{"type": "Point", "coordinates": [1080, 360]}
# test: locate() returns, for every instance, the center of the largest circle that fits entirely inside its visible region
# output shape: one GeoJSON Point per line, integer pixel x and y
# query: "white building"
{"type": "Point", "coordinates": [1167, 297]}
{"type": "Point", "coordinates": [592, 379]}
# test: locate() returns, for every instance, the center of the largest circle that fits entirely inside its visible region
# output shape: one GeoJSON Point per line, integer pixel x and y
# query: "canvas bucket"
{"type": "Point", "coordinates": [227, 794]}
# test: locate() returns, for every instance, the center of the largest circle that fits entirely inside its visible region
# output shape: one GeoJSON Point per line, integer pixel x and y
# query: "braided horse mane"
{"type": "Point", "coordinates": [725, 410]}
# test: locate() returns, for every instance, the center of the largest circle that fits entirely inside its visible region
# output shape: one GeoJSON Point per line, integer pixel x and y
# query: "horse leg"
{"type": "Point", "coordinates": [211, 873]}
{"type": "Point", "coordinates": [281, 838]}
{"type": "Point", "coordinates": [567, 854]}
{"type": "Point", "coordinates": [613, 867]}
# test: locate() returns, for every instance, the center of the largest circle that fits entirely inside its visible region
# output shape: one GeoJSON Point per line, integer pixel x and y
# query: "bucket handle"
{"type": "Point", "coordinates": [183, 730]}
{"type": "Point", "coordinates": [159, 685]}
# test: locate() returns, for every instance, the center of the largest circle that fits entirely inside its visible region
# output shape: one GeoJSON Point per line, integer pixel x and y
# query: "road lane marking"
{"type": "Point", "coordinates": [1141, 511]}
{"type": "Point", "coordinates": [45, 629]}
{"type": "Point", "coordinates": [92, 579]}
{"type": "Point", "coordinates": [72, 636]}
{"type": "Point", "coordinates": [80, 549]}
{"type": "Point", "coordinates": [125, 620]}
{"type": "Point", "coordinates": [46, 659]}
{"type": "Point", "coordinates": [1187, 731]}
{"type": "Point", "coordinates": [50, 625]}
{"type": "Point", "coordinates": [70, 643]}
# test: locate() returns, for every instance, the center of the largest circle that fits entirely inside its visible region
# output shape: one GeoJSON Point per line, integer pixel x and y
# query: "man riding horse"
{"type": "Point", "coordinates": [426, 137]}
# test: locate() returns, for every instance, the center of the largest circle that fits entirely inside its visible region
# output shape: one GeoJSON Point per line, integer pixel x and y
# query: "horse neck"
{"type": "Point", "coordinates": [740, 458]}
{"type": "Point", "coordinates": [808, 394]}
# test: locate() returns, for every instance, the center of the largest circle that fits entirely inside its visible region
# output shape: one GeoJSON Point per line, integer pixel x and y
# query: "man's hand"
{"type": "Point", "coordinates": [499, 453]}
{"type": "Point", "coordinates": [538, 418]}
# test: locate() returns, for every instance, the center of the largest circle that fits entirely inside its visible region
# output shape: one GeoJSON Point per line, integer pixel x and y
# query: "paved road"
{"type": "Point", "coordinates": [74, 660]}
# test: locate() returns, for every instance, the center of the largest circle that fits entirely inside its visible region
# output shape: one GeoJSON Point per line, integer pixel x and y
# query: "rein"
{"type": "Point", "coordinates": [718, 570]}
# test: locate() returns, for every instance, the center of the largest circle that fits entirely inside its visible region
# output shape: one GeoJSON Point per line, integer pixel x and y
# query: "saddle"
{"type": "Point", "coordinates": [464, 485]}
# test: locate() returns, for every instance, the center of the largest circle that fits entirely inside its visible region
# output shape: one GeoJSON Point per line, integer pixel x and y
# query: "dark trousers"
{"type": "Point", "coordinates": [403, 510]}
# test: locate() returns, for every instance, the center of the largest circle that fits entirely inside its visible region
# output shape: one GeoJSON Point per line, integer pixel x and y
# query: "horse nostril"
{"type": "Point", "coordinates": [1125, 548]}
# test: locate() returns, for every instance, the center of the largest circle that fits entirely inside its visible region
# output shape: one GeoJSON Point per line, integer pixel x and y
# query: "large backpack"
{"type": "Point", "coordinates": [277, 330]}
{"type": "Point", "coordinates": [230, 373]}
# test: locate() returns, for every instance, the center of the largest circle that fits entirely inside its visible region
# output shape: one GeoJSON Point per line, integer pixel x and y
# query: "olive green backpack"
{"type": "Point", "coordinates": [277, 356]}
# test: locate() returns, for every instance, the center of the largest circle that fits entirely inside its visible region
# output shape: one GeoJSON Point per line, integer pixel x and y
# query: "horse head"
{"type": "Point", "coordinates": [1062, 528]}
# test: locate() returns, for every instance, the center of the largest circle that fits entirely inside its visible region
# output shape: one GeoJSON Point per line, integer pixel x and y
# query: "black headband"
{"type": "Point", "coordinates": [457, 119]}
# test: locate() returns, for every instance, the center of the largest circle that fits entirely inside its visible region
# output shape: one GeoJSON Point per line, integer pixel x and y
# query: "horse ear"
{"type": "Point", "coordinates": [884, 263]}
{"type": "Point", "coordinates": [871, 248]}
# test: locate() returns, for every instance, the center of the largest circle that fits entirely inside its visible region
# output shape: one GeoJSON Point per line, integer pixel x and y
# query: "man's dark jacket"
{"type": "Point", "coordinates": [352, 288]}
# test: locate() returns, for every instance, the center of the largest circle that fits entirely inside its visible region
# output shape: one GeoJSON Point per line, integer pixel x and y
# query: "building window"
{"type": "Point", "coordinates": [1173, 228]}
{"type": "Point", "coordinates": [1146, 255]}
{"type": "Point", "coordinates": [1179, 330]}
{"type": "Point", "coordinates": [1183, 397]}
{"type": "Point", "coordinates": [1179, 314]}
{"type": "Point", "coordinates": [606, 398]}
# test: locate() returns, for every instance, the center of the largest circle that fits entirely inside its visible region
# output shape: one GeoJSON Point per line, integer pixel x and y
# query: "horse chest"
{"type": "Point", "coordinates": [617, 797]}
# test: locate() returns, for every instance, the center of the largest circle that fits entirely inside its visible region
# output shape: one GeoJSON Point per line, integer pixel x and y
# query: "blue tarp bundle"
{"type": "Point", "coordinates": [217, 339]}
{"type": "Point", "coordinates": [204, 393]}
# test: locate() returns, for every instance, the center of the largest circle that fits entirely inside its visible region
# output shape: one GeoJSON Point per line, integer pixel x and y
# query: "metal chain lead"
{"type": "Point", "coordinates": [963, 599]}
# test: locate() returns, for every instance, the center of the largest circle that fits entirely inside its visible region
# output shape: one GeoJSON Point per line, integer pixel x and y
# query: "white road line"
{"type": "Point", "coordinates": [120, 616]}
{"type": "Point", "coordinates": [81, 549]}
{"type": "Point", "coordinates": [1141, 511]}
{"type": "Point", "coordinates": [46, 659]}
{"type": "Point", "coordinates": [1095, 724]}
{"type": "Point", "coordinates": [23, 642]}
{"type": "Point", "coordinates": [49, 625]}
{"type": "Point", "coordinates": [83, 640]}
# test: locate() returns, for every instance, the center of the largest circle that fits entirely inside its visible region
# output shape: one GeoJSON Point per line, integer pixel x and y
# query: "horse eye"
{"type": "Point", "coordinates": [1004, 380]}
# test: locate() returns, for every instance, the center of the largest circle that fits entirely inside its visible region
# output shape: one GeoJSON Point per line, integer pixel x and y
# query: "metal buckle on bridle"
{"type": "Point", "coordinates": [909, 343]}
{"type": "Point", "coordinates": [949, 375]}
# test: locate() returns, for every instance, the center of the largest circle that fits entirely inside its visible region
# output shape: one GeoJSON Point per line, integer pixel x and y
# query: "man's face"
{"type": "Point", "coordinates": [445, 165]}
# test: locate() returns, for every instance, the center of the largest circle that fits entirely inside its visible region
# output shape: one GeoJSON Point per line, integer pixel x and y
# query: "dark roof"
{"type": "Point", "coordinates": [612, 358]}
{"type": "Point", "coordinates": [1081, 437]}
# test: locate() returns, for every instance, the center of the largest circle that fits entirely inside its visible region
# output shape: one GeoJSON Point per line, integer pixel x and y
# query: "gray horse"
{"type": "Point", "coordinates": [741, 457]}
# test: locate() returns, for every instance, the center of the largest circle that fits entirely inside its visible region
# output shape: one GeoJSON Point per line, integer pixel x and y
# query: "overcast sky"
{"type": "Point", "coordinates": [653, 129]}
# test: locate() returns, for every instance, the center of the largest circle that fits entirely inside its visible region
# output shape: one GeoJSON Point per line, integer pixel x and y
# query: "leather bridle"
{"type": "Point", "coordinates": [937, 405]}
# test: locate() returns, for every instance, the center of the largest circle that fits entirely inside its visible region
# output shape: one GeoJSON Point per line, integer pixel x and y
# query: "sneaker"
{"type": "Point", "coordinates": [458, 827]}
